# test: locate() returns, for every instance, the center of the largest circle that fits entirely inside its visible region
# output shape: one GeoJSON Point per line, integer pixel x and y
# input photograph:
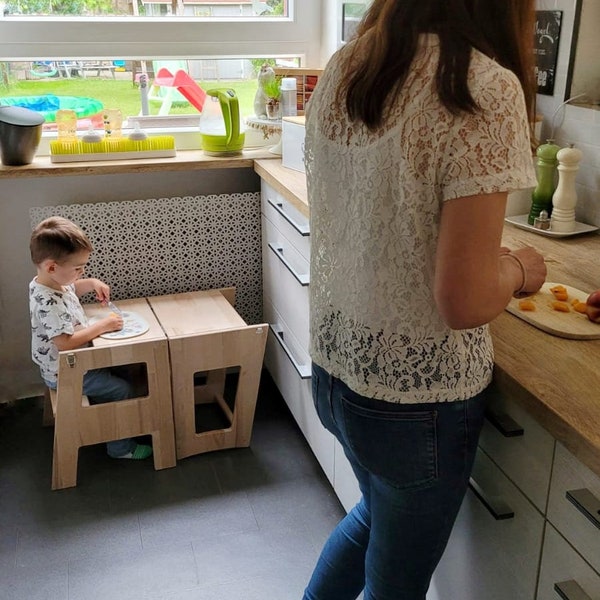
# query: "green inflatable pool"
{"type": "Point", "coordinates": [48, 104]}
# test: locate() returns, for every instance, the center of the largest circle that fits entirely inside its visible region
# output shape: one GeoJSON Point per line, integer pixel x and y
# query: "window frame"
{"type": "Point", "coordinates": [140, 38]}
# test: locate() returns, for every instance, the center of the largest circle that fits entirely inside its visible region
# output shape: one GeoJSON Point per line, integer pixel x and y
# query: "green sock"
{"type": "Point", "coordinates": [140, 452]}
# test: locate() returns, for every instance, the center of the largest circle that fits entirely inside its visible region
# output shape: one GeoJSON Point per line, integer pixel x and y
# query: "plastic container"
{"type": "Point", "coordinates": [289, 107]}
{"type": "Point", "coordinates": [20, 134]}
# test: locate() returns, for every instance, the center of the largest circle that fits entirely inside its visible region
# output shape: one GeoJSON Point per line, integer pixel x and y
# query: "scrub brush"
{"type": "Point", "coordinates": [160, 146]}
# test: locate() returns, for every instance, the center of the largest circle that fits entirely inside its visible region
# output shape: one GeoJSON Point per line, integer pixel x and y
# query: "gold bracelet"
{"type": "Point", "coordinates": [521, 291]}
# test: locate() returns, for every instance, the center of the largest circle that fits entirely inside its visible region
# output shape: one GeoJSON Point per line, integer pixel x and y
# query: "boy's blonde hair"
{"type": "Point", "coordinates": [56, 238]}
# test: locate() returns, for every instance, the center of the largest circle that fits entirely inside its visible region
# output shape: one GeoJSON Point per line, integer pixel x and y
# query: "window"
{"type": "Point", "coordinates": [48, 43]}
{"type": "Point", "coordinates": [160, 31]}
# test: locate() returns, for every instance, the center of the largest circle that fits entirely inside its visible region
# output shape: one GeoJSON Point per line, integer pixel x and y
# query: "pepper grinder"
{"type": "Point", "coordinates": [565, 196]}
{"type": "Point", "coordinates": [541, 198]}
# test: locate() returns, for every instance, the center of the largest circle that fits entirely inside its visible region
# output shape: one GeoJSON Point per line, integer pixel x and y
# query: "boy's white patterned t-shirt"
{"type": "Point", "coordinates": [52, 313]}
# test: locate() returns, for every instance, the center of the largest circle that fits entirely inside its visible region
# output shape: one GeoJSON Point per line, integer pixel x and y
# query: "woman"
{"type": "Point", "coordinates": [416, 133]}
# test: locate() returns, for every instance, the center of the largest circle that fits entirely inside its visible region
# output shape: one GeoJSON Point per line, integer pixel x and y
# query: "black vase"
{"type": "Point", "coordinates": [20, 134]}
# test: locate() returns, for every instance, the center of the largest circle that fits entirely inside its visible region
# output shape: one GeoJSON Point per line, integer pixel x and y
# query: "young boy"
{"type": "Point", "coordinates": [60, 251]}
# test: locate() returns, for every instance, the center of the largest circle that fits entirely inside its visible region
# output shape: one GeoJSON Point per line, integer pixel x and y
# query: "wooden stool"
{"type": "Point", "coordinates": [207, 335]}
{"type": "Point", "coordinates": [77, 423]}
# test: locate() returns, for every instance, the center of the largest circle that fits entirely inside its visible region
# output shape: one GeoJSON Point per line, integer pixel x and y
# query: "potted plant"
{"type": "Point", "coordinates": [272, 90]}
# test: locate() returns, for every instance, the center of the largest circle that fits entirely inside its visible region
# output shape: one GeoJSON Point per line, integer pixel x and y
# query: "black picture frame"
{"type": "Point", "coordinates": [545, 48]}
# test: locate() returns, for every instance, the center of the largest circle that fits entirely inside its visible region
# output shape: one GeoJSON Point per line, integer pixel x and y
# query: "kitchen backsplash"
{"type": "Point", "coordinates": [572, 124]}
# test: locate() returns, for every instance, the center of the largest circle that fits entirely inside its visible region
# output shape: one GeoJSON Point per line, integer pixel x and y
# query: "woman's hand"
{"type": "Point", "coordinates": [533, 270]}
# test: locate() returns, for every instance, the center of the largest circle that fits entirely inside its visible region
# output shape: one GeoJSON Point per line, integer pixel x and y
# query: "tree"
{"type": "Point", "coordinates": [62, 7]}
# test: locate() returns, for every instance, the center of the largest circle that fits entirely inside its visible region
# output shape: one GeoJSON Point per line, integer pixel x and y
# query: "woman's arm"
{"type": "Point", "coordinates": [474, 278]}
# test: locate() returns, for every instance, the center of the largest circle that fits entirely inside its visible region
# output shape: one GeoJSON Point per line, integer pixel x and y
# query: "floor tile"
{"type": "Point", "coordinates": [132, 575]}
{"type": "Point", "coordinates": [240, 524]}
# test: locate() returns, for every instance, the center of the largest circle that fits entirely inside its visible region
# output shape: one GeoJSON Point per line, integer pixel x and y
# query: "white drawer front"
{"type": "Point", "coordinates": [290, 221]}
{"type": "Point", "coordinates": [297, 353]}
{"type": "Point", "coordinates": [574, 506]}
{"type": "Point", "coordinates": [489, 558]}
{"type": "Point", "coordinates": [297, 392]}
{"type": "Point", "coordinates": [525, 455]}
{"type": "Point", "coordinates": [563, 568]}
{"type": "Point", "coordinates": [285, 281]}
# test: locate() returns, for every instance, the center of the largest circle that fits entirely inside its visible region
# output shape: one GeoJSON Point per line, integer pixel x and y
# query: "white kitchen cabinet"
{"type": "Point", "coordinates": [285, 307]}
{"type": "Point", "coordinates": [574, 506]}
{"type": "Point", "coordinates": [494, 550]}
{"type": "Point", "coordinates": [521, 447]}
{"type": "Point", "coordinates": [564, 574]}
{"type": "Point", "coordinates": [524, 483]}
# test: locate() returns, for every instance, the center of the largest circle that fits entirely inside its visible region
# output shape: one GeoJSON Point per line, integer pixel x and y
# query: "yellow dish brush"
{"type": "Point", "coordinates": [160, 146]}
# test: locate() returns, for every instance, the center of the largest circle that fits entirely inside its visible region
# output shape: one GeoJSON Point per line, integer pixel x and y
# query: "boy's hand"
{"type": "Point", "coordinates": [113, 322]}
{"type": "Point", "coordinates": [101, 289]}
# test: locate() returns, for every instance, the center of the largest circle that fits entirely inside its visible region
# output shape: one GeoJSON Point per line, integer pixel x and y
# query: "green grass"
{"type": "Point", "coordinates": [121, 93]}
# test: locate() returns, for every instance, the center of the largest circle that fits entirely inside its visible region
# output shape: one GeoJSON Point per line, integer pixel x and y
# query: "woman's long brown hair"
{"type": "Point", "coordinates": [388, 38]}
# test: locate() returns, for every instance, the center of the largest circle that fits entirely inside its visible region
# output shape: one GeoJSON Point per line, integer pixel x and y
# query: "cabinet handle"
{"type": "Point", "coordinates": [303, 278]}
{"type": "Point", "coordinates": [304, 371]}
{"type": "Point", "coordinates": [495, 505]}
{"type": "Point", "coordinates": [570, 590]}
{"type": "Point", "coordinates": [586, 503]}
{"type": "Point", "coordinates": [301, 229]}
{"type": "Point", "coordinates": [504, 423]}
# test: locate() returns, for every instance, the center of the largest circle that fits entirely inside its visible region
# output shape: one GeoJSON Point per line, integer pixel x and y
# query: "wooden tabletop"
{"type": "Point", "coordinates": [193, 313]}
{"type": "Point", "coordinates": [555, 379]}
{"type": "Point", "coordinates": [139, 306]}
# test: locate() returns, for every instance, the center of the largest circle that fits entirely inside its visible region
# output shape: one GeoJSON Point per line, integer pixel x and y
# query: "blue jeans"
{"type": "Point", "coordinates": [101, 386]}
{"type": "Point", "coordinates": [413, 463]}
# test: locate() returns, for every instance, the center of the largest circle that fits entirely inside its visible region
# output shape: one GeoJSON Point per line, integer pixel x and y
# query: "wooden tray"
{"type": "Point", "coordinates": [572, 325]}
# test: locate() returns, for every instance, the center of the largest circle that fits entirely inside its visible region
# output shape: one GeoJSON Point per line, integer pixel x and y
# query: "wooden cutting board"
{"type": "Point", "coordinates": [572, 325]}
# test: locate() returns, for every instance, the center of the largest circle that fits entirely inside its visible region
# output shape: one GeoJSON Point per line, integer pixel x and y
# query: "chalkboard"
{"type": "Point", "coordinates": [547, 36]}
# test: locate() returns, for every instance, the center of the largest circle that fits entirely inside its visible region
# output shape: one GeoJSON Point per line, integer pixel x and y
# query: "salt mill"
{"type": "Point", "coordinates": [565, 196]}
{"type": "Point", "coordinates": [541, 198]}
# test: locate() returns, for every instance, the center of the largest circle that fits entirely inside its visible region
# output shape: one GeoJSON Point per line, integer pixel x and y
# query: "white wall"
{"type": "Point", "coordinates": [571, 124]}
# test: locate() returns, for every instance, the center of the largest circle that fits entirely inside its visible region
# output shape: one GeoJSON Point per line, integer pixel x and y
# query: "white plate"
{"type": "Point", "coordinates": [133, 325]}
{"type": "Point", "coordinates": [520, 221]}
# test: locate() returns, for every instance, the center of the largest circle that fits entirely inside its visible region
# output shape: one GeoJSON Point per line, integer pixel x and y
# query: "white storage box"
{"type": "Point", "coordinates": [292, 143]}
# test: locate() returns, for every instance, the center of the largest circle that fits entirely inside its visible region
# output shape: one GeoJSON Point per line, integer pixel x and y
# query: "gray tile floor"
{"type": "Point", "coordinates": [244, 524]}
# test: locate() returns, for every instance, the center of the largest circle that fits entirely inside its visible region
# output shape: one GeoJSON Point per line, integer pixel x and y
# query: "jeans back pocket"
{"type": "Point", "coordinates": [397, 443]}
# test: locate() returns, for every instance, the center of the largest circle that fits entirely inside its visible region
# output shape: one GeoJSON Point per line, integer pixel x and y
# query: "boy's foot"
{"type": "Point", "coordinates": [140, 452]}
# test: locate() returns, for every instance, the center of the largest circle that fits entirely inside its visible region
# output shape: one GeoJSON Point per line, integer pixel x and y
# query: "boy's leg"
{"type": "Point", "coordinates": [101, 386]}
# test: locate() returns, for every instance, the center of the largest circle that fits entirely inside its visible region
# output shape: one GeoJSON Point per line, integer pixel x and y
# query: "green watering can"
{"type": "Point", "coordinates": [221, 127]}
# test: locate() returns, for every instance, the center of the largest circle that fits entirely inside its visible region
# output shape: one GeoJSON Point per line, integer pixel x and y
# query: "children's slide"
{"type": "Point", "coordinates": [184, 84]}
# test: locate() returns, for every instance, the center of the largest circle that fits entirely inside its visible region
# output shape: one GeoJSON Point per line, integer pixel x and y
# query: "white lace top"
{"type": "Point", "coordinates": [375, 202]}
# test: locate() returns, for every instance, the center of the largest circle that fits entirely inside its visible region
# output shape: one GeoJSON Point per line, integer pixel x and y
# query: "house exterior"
{"type": "Point", "coordinates": [209, 8]}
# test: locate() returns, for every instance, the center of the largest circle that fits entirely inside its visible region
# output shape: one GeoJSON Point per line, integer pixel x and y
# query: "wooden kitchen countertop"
{"type": "Point", "coordinates": [186, 160]}
{"type": "Point", "coordinates": [557, 380]}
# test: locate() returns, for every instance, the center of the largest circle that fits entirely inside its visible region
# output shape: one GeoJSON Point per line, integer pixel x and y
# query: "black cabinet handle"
{"type": "Point", "coordinates": [504, 423]}
{"type": "Point", "coordinates": [303, 230]}
{"type": "Point", "coordinates": [305, 371]}
{"type": "Point", "coordinates": [570, 590]}
{"type": "Point", "coordinates": [302, 278]}
{"type": "Point", "coordinates": [496, 506]}
{"type": "Point", "coordinates": [586, 503]}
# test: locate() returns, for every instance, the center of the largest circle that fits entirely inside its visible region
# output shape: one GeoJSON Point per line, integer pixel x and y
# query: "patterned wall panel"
{"type": "Point", "coordinates": [169, 245]}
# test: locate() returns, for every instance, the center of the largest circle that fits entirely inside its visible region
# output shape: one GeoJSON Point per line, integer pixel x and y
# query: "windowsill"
{"type": "Point", "coordinates": [186, 160]}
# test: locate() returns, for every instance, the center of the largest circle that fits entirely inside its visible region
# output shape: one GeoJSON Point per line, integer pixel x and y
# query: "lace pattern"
{"type": "Point", "coordinates": [375, 202]}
